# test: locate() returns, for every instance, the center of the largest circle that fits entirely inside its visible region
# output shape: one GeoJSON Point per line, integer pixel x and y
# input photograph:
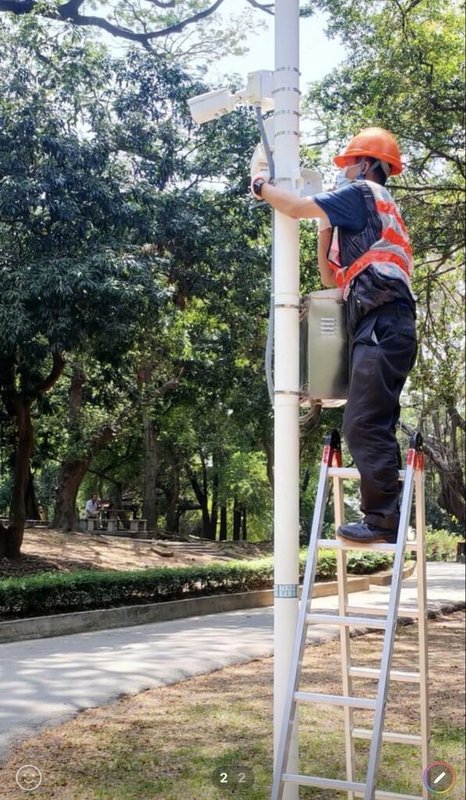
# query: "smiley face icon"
{"type": "Point", "coordinates": [29, 778]}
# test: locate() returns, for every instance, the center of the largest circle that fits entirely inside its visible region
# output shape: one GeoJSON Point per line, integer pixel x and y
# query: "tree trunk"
{"type": "Point", "coordinates": [244, 526]}
{"type": "Point", "coordinates": [452, 492]}
{"type": "Point", "coordinates": [172, 515]}
{"type": "Point", "coordinates": [11, 537]}
{"type": "Point", "coordinates": [151, 465]}
{"type": "Point", "coordinates": [268, 450]}
{"type": "Point", "coordinates": [72, 472]}
{"type": "Point", "coordinates": [449, 469]}
{"type": "Point", "coordinates": [223, 524]}
{"type": "Point", "coordinates": [32, 506]}
{"type": "Point", "coordinates": [19, 409]}
{"type": "Point", "coordinates": [202, 498]}
{"type": "Point", "coordinates": [214, 511]}
{"type": "Point", "coordinates": [148, 392]}
{"type": "Point", "coordinates": [236, 521]}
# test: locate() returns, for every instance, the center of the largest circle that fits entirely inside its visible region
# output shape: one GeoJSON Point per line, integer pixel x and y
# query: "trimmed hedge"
{"type": "Point", "coordinates": [57, 593]}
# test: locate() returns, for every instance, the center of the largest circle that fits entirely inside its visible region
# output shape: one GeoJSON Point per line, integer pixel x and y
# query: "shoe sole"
{"type": "Point", "coordinates": [377, 540]}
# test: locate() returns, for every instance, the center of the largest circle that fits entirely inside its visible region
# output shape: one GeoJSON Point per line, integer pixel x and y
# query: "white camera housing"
{"type": "Point", "coordinates": [259, 90]}
{"type": "Point", "coordinates": [312, 182]}
{"type": "Point", "coordinates": [212, 105]}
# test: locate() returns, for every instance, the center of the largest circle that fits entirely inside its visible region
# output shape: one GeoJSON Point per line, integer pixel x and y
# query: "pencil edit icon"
{"type": "Point", "coordinates": [439, 778]}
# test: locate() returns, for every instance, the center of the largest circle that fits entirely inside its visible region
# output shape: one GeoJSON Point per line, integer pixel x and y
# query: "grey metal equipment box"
{"type": "Point", "coordinates": [323, 349]}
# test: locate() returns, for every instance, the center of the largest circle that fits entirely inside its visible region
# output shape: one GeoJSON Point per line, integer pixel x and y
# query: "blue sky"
{"type": "Point", "coordinates": [318, 54]}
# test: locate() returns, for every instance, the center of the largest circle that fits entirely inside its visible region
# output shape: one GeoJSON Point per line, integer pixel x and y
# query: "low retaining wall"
{"type": "Point", "coordinates": [125, 616]}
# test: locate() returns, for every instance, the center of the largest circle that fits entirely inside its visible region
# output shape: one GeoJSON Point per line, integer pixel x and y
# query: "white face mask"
{"type": "Point", "coordinates": [342, 178]}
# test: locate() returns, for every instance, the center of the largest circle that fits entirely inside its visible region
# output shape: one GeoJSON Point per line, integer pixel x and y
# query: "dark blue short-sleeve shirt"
{"type": "Point", "coordinates": [345, 207]}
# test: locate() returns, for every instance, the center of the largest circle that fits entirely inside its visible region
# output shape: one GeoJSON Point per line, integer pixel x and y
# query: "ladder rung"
{"type": "Point", "coordinates": [392, 796]}
{"type": "Point", "coordinates": [335, 700]}
{"type": "Point", "coordinates": [395, 675]}
{"type": "Point", "coordinates": [381, 547]}
{"type": "Point", "coordinates": [403, 612]}
{"type": "Point", "coordinates": [391, 737]}
{"type": "Point", "coordinates": [338, 544]}
{"type": "Point", "coordinates": [324, 783]}
{"type": "Point", "coordinates": [352, 473]}
{"type": "Point", "coordinates": [333, 619]}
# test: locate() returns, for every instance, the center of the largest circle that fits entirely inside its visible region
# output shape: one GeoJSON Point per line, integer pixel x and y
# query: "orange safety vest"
{"type": "Point", "coordinates": [391, 254]}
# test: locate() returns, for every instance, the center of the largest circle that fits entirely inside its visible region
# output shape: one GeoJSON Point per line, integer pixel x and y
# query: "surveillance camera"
{"type": "Point", "coordinates": [211, 105]}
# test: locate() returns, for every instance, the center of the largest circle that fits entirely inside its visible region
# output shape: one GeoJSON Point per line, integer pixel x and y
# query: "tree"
{"type": "Point", "coordinates": [106, 220]}
{"type": "Point", "coordinates": [67, 204]}
{"type": "Point", "coordinates": [143, 22]}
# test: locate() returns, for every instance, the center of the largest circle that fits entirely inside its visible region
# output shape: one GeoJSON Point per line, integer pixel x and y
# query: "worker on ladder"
{"type": "Point", "coordinates": [364, 249]}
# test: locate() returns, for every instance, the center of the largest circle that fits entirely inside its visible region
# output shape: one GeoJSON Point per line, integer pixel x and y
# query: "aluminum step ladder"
{"type": "Point", "coordinates": [413, 477]}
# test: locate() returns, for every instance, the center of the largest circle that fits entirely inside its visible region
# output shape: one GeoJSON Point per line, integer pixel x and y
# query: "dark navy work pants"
{"type": "Point", "coordinates": [383, 351]}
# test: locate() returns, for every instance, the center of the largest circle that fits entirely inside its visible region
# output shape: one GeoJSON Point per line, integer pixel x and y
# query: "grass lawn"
{"type": "Point", "coordinates": [174, 743]}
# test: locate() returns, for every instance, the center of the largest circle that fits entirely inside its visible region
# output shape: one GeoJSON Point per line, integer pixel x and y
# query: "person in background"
{"type": "Point", "coordinates": [92, 507]}
{"type": "Point", "coordinates": [364, 249]}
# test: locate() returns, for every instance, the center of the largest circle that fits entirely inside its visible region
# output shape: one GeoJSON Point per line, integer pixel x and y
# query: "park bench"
{"type": "Point", "coordinates": [115, 525]}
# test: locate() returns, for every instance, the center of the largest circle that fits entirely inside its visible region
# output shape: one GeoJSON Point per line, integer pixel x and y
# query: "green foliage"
{"type": "Point", "coordinates": [5, 493]}
{"type": "Point", "coordinates": [58, 593]}
{"type": "Point", "coordinates": [115, 254]}
{"type": "Point", "coordinates": [186, 31]}
{"type": "Point", "coordinates": [357, 564]}
{"type": "Point", "coordinates": [130, 245]}
{"type": "Point", "coordinates": [441, 545]}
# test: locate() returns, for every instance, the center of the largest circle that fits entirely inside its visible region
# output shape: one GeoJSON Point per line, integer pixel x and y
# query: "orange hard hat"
{"type": "Point", "coordinates": [375, 143]}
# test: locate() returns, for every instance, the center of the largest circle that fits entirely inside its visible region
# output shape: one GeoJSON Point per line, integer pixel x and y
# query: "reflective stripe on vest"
{"type": "Point", "coordinates": [393, 247]}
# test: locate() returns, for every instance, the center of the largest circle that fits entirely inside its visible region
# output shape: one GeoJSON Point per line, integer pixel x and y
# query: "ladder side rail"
{"type": "Point", "coordinates": [345, 640]}
{"type": "Point", "coordinates": [290, 706]}
{"type": "Point", "coordinates": [422, 620]}
{"type": "Point", "coordinates": [387, 650]}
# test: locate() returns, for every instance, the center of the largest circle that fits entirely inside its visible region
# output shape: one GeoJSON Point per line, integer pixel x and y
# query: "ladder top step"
{"type": "Point", "coordinates": [338, 544]}
{"type": "Point", "coordinates": [352, 473]}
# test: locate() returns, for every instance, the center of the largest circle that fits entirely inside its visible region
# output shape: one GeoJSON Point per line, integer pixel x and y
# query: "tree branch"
{"type": "Point", "coordinates": [269, 9]}
{"type": "Point", "coordinates": [69, 12]}
{"type": "Point", "coordinates": [456, 417]}
{"type": "Point", "coordinates": [17, 6]}
{"type": "Point", "coordinates": [57, 369]}
{"type": "Point", "coordinates": [125, 33]}
{"type": "Point", "coordinates": [71, 8]}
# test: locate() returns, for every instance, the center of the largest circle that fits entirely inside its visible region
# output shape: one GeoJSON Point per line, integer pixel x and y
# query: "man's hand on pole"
{"type": "Point", "coordinates": [259, 170]}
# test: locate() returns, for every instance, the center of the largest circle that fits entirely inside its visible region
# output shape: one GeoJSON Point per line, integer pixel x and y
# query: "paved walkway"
{"type": "Point", "coordinates": [45, 681]}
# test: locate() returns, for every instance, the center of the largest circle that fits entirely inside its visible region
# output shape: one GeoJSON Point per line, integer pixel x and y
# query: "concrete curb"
{"type": "Point", "coordinates": [126, 616]}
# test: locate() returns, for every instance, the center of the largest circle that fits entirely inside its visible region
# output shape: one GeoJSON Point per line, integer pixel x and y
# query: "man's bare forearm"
{"type": "Point", "coordinates": [291, 204]}
{"type": "Point", "coordinates": [327, 275]}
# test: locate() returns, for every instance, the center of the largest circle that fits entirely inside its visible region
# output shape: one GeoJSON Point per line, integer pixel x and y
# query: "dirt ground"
{"type": "Point", "coordinates": [165, 744]}
{"type": "Point", "coordinates": [48, 550]}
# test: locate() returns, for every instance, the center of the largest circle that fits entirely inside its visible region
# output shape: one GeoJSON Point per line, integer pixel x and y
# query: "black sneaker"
{"type": "Point", "coordinates": [364, 533]}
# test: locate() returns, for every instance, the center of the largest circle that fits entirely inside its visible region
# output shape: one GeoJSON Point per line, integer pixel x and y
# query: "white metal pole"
{"type": "Point", "coordinates": [286, 371]}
